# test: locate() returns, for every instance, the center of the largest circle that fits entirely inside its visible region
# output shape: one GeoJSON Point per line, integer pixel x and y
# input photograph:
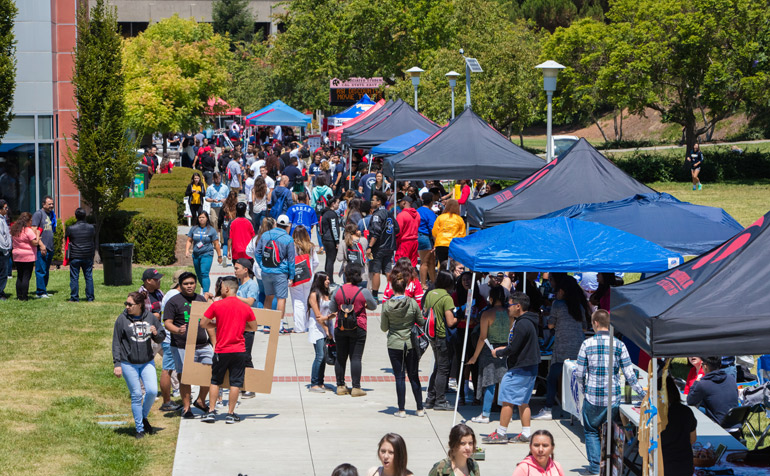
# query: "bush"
{"type": "Point", "coordinates": [178, 178]}
{"type": "Point", "coordinates": [150, 224]}
{"type": "Point", "coordinates": [719, 164]}
{"type": "Point", "coordinates": [174, 194]}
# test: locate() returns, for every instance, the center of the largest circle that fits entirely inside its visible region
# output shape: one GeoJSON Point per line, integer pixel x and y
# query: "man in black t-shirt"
{"type": "Point", "coordinates": [383, 229]}
{"type": "Point", "coordinates": [176, 316]}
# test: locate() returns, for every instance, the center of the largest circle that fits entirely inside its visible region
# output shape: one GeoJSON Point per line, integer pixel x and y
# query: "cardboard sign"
{"type": "Point", "coordinates": [255, 380]}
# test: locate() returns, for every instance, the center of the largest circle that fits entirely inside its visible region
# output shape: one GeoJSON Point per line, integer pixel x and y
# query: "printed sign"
{"type": "Point", "coordinates": [347, 93]}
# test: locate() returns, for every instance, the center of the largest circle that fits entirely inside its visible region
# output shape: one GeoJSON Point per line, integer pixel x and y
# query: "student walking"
{"type": "Point", "coordinates": [305, 262]}
{"type": "Point", "coordinates": [204, 240]}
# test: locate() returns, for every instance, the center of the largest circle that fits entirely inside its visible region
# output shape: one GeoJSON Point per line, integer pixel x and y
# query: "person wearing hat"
{"type": "Point", "coordinates": [168, 378]}
{"type": "Point", "coordinates": [151, 287]}
{"type": "Point", "coordinates": [408, 224]}
{"type": "Point", "coordinates": [275, 255]}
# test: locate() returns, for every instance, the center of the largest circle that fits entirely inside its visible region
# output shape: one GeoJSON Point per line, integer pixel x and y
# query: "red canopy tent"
{"type": "Point", "coordinates": [218, 107]}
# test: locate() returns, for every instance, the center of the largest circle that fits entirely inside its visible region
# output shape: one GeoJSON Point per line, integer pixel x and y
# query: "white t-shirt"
{"type": "Point", "coordinates": [270, 183]}
{"type": "Point", "coordinates": [315, 330]}
{"type": "Point", "coordinates": [255, 166]}
{"type": "Point", "coordinates": [248, 184]}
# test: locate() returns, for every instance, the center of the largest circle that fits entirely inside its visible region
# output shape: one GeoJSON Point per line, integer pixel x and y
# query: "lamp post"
{"type": "Point", "coordinates": [415, 73]}
{"type": "Point", "coordinates": [550, 71]}
{"type": "Point", "coordinates": [452, 77]}
{"type": "Point", "coordinates": [471, 66]}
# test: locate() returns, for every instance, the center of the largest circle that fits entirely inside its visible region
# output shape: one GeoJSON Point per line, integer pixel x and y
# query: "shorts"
{"type": "Point", "coordinates": [168, 357]}
{"type": "Point", "coordinates": [203, 355]}
{"type": "Point", "coordinates": [382, 261]}
{"type": "Point", "coordinates": [423, 242]}
{"type": "Point", "coordinates": [517, 385]}
{"type": "Point", "coordinates": [234, 362]}
{"type": "Point", "coordinates": [276, 285]}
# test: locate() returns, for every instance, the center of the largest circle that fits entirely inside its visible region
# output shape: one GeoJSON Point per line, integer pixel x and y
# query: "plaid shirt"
{"type": "Point", "coordinates": [592, 363]}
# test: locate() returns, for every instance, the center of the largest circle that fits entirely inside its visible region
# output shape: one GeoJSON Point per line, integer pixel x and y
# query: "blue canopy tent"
{"type": "Point", "coordinates": [560, 245]}
{"type": "Point", "coordinates": [355, 110]}
{"type": "Point", "coordinates": [278, 113]}
{"type": "Point", "coordinates": [400, 143]}
{"type": "Point", "coordinates": [678, 226]}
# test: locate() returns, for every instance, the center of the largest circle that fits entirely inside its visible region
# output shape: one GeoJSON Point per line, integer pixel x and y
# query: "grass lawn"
{"type": "Point", "coordinates": [57, 364]}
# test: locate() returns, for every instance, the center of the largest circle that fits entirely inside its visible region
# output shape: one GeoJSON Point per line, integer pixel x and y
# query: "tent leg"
{"type": "Point", "coordinates": [468, 307]}
{"type": "Point", "coordinates": [350, 169]}
{"type": "Point", "coordinates": [610, 385]}
{"type": "Point", "coordinates": [653, 392]}
{"type": "Point", "coordinates": [524, 285]}
{"type": "Point", "coordinates": [395, 196]}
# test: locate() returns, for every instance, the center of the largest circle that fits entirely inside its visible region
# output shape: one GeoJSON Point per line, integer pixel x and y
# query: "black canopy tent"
{"type": "Point", "coordinates": [581, 175]}
{"type": "Point", "coordinates": [371, 119]}
{"type": "Point", "coordinates": [399, 119]}
{"type": "Point", "coordinates": [467, 148]}
{"type": "Point", "coordinates": [715, 304]}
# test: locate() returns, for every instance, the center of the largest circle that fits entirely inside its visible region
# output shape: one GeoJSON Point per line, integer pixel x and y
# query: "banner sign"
{"type": "Point", "coordinates": [347, 93]}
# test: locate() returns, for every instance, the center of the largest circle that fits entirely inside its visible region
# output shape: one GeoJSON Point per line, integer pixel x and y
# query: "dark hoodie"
{"type": "Point", "coordinates": [716, 392]}
{"type": "Point", "coordinates": [131, 338]}
{"type": "Point", "coordinates": [408, 223]}
{"type": "Point", "coordinates": [523, 348]}
{"type": "Point", "coordinates": [330, 225]}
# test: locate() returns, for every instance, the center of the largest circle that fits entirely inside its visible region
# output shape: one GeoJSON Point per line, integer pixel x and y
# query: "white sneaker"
{"type": "Point", "coordinates": [543, 414]}
{"type": "Point", "coordinates": [480, 419]}
{"type": "Point", "coordinates": [453, 384]}
{"type": "Point", "coordinates": [401, 414]}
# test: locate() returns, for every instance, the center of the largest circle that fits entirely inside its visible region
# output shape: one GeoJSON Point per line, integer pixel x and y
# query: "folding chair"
{"type": "Point", "coordinates": [734, 422]}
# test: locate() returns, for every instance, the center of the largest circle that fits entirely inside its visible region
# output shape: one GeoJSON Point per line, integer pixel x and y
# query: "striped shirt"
{"type": "Point", "coordinates": [592, 363]}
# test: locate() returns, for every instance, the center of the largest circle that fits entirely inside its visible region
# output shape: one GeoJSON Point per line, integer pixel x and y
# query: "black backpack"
{"type": "Point", "coordinates": [271, 255]}
{"type": "Point", "coordinates": [355, 255]}
{"type": "Point", "coordinates": [346, 318]}
{"type": "Point", "coordinates": [207, 162]}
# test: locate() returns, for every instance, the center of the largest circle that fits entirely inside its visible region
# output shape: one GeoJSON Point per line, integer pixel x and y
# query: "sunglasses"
{"type": "Point", "coordinates": [129, 304]}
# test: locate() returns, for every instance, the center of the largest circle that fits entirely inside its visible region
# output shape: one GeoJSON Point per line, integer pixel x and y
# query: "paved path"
{"type": "Point", "coordinates": [294, 432]}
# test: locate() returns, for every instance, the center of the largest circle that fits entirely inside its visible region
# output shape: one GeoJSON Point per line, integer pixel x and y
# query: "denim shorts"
{"type": "Point", "coordinates": [517, 385]}
{"type": "Point", "coordinates": [423, 242]}
{"type": "Point", "coordinates": [204, 355]}
{"type": "Point", "coordinates": [276, 285]}
{"type": "Point", "coordinates": [168, 357]}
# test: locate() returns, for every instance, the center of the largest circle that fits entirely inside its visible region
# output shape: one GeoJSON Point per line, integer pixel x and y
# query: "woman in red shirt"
{"type": "Point", "coordinates": [696, 372]}
{"type": "Point", "coordinates": [24, 251]}
{"type": "Point", "coordinates": [414, 289]}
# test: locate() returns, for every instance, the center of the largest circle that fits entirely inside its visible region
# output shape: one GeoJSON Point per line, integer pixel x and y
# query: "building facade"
{"type": "Point", "coordinates": [33, 152]}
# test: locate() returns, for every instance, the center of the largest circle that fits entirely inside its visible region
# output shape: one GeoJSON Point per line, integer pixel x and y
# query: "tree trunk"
{"type": "Point", "coordinates": [689, 130]}
{"type": "Point", "coordinates": [595, 121]}
{"type": "Point", "coordinates": [98, 219]}
{"type": "Point", "coordinates": [620, 136]}
{"type": "Point", "coordinates": [521, 139]}
{"type": "Point", "coordinates": [615, 123]}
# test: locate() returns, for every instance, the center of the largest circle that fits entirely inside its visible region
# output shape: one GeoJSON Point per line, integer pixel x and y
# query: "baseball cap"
{"type": "Point", "coordinates": [283, 220]}
{"type": "Point", "coordinates": [245, 262]}
{"type": "Point", "coordinates": [151, 273]}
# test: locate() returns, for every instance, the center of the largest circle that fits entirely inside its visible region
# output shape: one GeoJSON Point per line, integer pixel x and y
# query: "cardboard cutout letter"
{"type": "Point", "coordinates": [259, 381]}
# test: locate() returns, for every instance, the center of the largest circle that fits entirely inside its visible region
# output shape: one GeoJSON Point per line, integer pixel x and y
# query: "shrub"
{"type": "Point", "coordinates": [178, 178]}
{"type": "Point", "coordinates": [150, 223]}
{"type": "Point", "coordinates": [174, 194]}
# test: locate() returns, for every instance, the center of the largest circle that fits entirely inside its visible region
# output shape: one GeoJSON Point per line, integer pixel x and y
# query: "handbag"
{"type": "Point", "coordinates": [330, 352]}
{"type": "Point", "coordinates": [420, 341]}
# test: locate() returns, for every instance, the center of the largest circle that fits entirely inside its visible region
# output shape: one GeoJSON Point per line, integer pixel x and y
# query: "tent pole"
{"type": "Point", "coordinates": [350, 167]}
{"type": "Point", "coordinates": [468, 307]}
{"type": "Point", "coordinates": [395, 195]}
{"type": "Point", "coordinates": [653, 392]}
{"type": "Point", "coordinates": [524, 286]}
{"type": "Point", "coordinates": [610, 385]}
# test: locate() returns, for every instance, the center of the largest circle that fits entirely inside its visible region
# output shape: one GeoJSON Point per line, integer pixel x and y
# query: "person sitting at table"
{"type": "Point", "coordinates": [695, 374]}
{"type": "Point", "coordinates": [716, 392]}
{"type": "Point", "coordinates": [677, 439]}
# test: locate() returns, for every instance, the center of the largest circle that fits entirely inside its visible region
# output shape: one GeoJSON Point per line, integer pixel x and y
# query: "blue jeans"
{"type": "Point", "coordinates": [202, 264]}
{"type": "Point", "coordinates": [319, 364]}
{"type": "Point", "coordinates": [489, 399]}
{"type": "Point", "coordinates": [5, 268]}
{"type": "Point", "coordinates": [262, 295]}
{"type": "Point", "coordinates": [42, 268]}
{"type": "Point", "coordinates": [256, 220]}
{"type": "Point", "coordinates": [552, 384]}
{"type": "Point", "coordinates": [593, 417]}
{"type": "Point", "coordinates": [133, 374]}
{"type": "Point", "coordinates": [87, 265]}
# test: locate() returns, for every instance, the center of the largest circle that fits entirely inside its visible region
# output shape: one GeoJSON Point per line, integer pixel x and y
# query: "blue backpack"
{"type": "Point", "coordinates": [277, 208]}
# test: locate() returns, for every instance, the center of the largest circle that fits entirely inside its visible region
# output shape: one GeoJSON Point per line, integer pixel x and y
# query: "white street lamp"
{"type": "Point", "coordinates": [550, 71]}
{"type": "Point", "coordinates": [452, 77]}
{"type": "Point", "coordinates": [415, 73]}
{"type": "Point", "coordinates": [471, 66]}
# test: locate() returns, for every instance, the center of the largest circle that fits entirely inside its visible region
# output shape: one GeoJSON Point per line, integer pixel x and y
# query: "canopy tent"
{"type": "Point", "coordinates": [336, 133]}
{"type": "Point", "coordinates": [466, 148]}
{"type": "Point", "coordinates": [560, 245]}
{"type": "Point", "coordinates": [278, 113]}
{"type": "Point", "coordinates": [400, 143]}
{"type": "Point", "coordinates": [218, 107]}
{"type": "Point", "coordinates": [581, 175]}
{"type": "Point", "coordinates": [371, 119]}
{"type": "Point", "coordinates": [363, 105]}
{"type": "Point", "coordinates": [716, 304]}
{"type": "Point", "coordinates": [659, 217]}
{"type": "Point", "coordinates": [397, 120]}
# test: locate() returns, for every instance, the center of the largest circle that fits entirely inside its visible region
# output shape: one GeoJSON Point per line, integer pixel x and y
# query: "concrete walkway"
{"type": "Point", "coordinates": [294, 432]}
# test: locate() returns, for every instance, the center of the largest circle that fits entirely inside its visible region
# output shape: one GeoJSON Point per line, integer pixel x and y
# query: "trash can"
{"type": "Point", "coordinates": [116, 259]}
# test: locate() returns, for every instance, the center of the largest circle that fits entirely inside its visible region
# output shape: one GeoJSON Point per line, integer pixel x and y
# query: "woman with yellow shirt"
{"type": "Point", "coordinates": [448, 225]}
{"type": "Point", "coordinates": [196, 191]}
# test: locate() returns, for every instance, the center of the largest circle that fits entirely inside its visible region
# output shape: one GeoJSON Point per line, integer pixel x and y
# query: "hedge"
{"type": "Point", "coordinates": [719, 164]}
{"type": "Point", "coordinates": [172, 186]}
{"type": "Point", "coordinates": [149, 223]}
{"type": "Point", "coordinates": [175, 194]}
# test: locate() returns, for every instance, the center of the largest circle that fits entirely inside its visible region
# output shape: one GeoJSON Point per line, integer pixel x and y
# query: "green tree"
{"type": "Point", "coordinates": [550, 14]}
{"type": "Point", "coordinates": [8, 13]}
{"type": "Point", "coordinates": [696, 57]}
{"type": "Point", "coordinates": [171, 70]}
{"type": "Point", "coordinates": [103, 163]}
{"type": "Point", "coordinates": [234, 18]}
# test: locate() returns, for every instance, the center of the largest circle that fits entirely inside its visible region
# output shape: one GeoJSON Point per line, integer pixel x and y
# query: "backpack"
{"type": "Point", "coordinates": [432, 323]}
{"type": "Point", "coordinates": [207, 162]}
{"type": "Point", "coordinates": [320, 204]}
{"type": "Point", "coordinates": [346, 317]}
{"type": "Point", "coordinates": [271, 256]}
{"type": "Point", "coordinates": [277, 208]}
{"type": "Point", "coordinates": [302, 270]}
{"type": "Point", "coordinates": [355, 255]}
